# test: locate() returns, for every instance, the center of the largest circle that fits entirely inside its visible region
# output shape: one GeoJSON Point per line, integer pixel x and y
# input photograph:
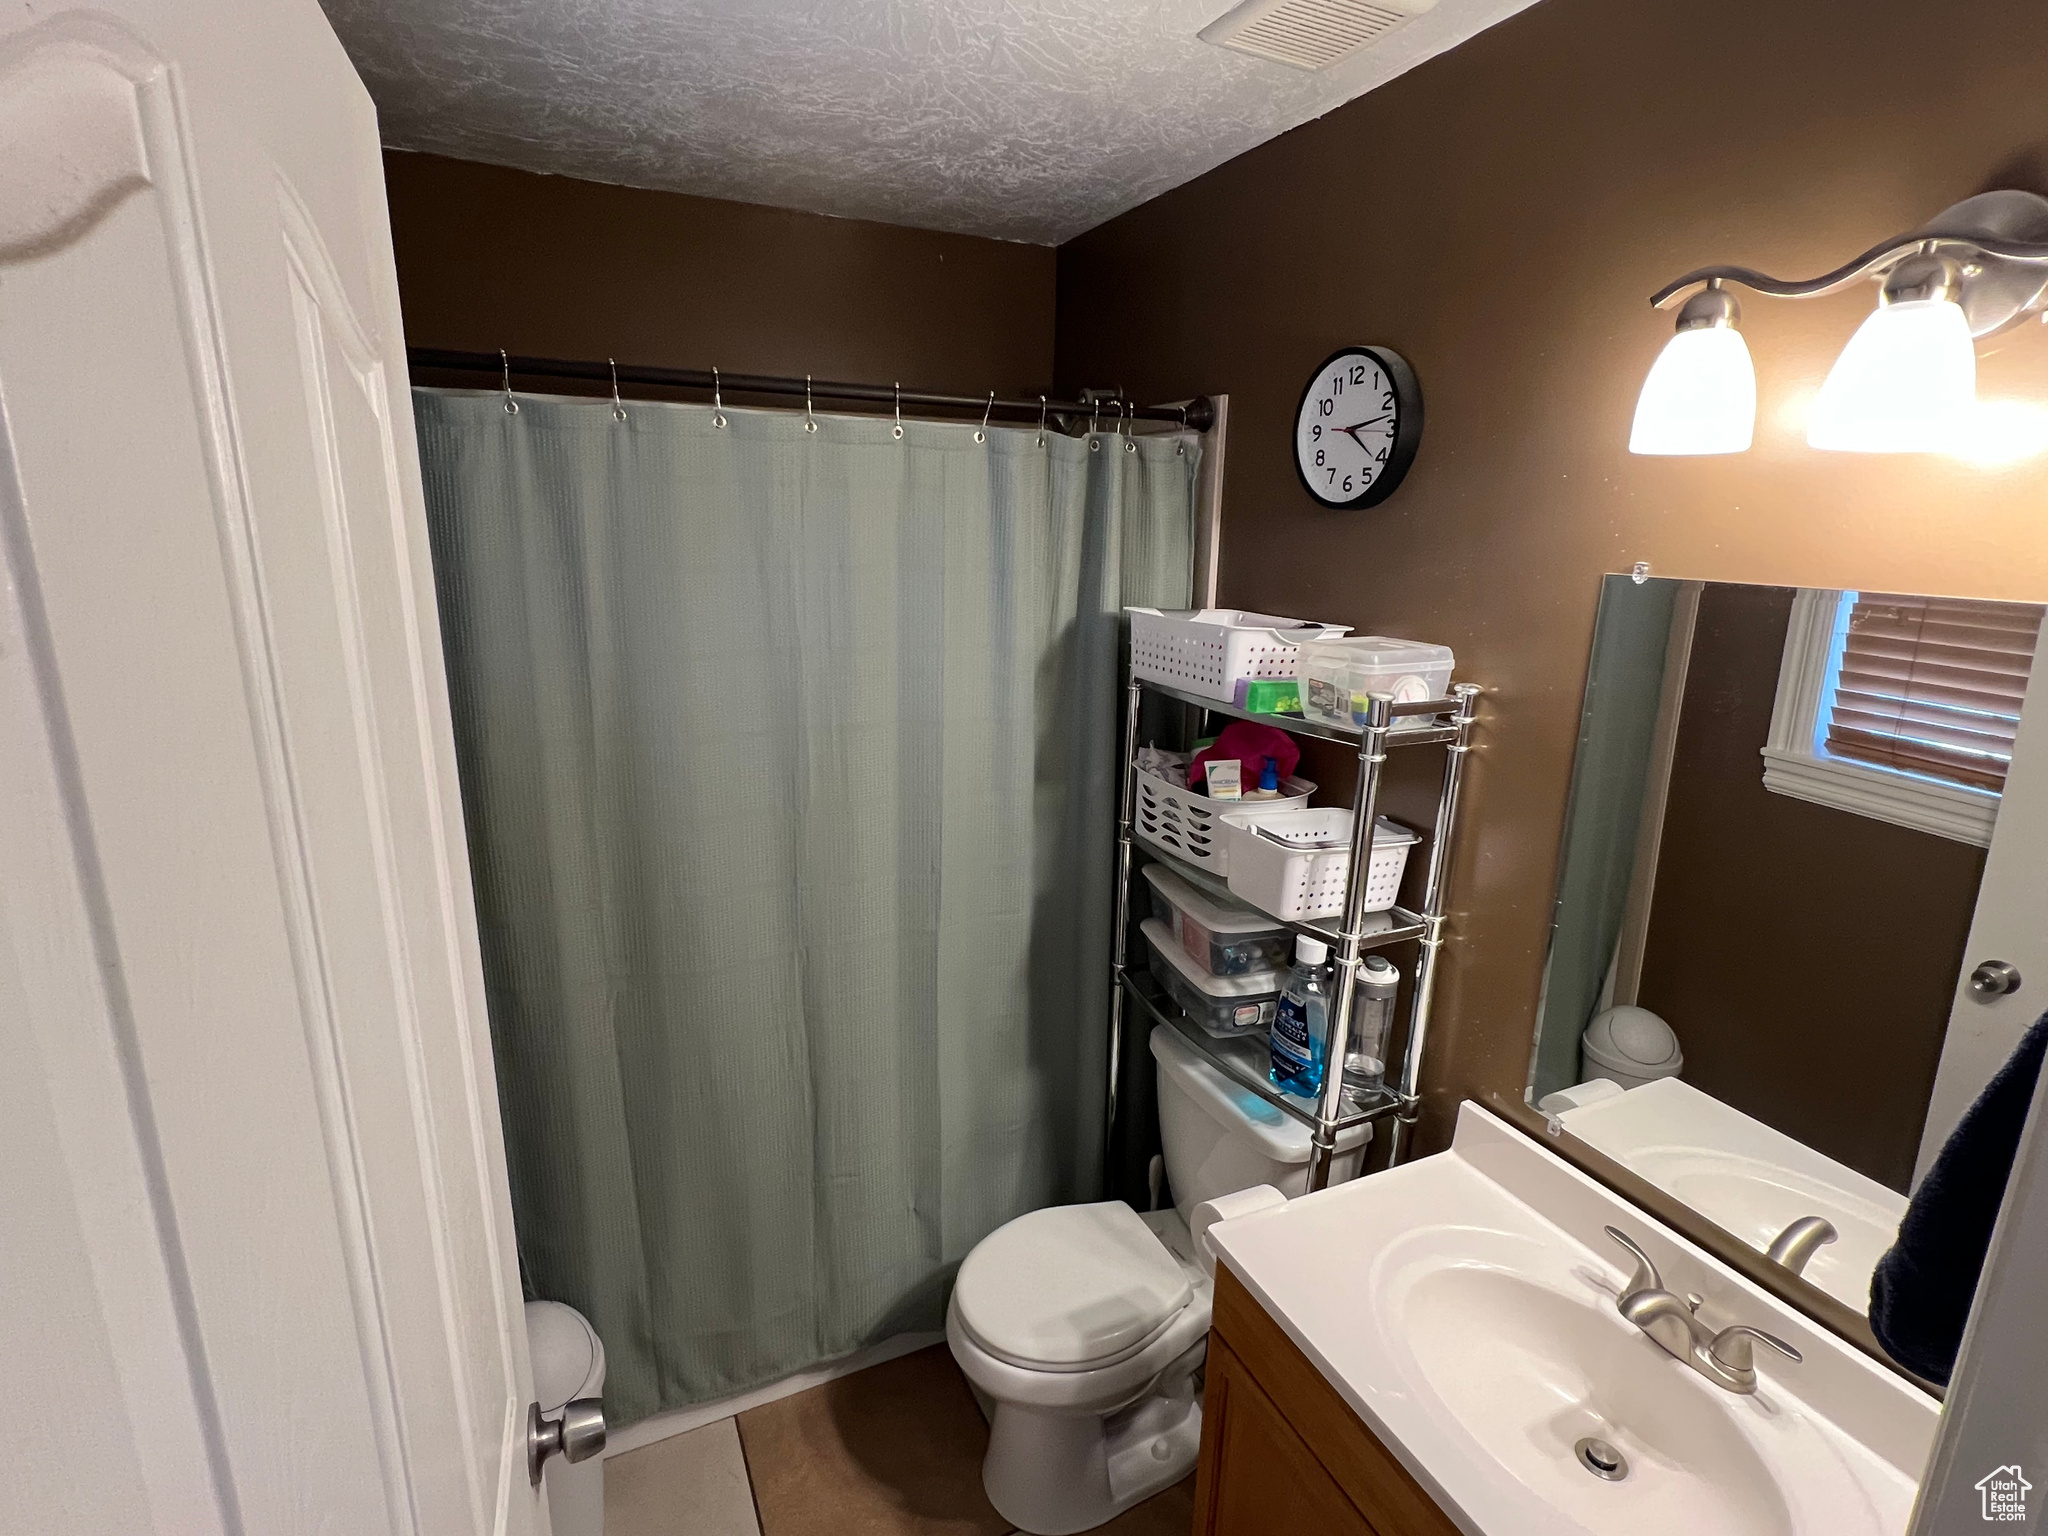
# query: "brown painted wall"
{"type": "Point", "coordinates": [547, 265]}
{"type": "Point", "coordinates": [1500, 216]}
{"type": "Point", "coordinates": [1807, 957]}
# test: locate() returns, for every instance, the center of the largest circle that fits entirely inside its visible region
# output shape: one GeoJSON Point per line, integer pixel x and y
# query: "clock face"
{"type": "Point", "coordinates": [1358, 426]}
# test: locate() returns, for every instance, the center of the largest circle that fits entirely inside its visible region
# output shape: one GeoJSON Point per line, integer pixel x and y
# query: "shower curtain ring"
{"type": "Point", "coordinates": [717, 402]}
{"type": "Point", "coordinates": [618, 405]}
{"type": "Point", "coordinates": [1094, 426]}
{"type": "Point", "coordinates": [1041, 421]}
{"type": "Point", "coordinates": [897, 430]}
{"type": "Point", "coordinates": [810, 421]}
{"type": "Point", "coordinates": [1180, 449]}
{"type": "Point", "coordinates": [981, 432]}
{"type": "Point", "coordinates": [1130, 442]}
{"type": "Point", "coordinates": [511, 405]}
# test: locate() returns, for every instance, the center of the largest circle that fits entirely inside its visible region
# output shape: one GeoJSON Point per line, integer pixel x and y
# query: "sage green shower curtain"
{"type": "Point", "coordinates": [789, 766]}
{"type": "Point", "coordinates": [1617, 731]}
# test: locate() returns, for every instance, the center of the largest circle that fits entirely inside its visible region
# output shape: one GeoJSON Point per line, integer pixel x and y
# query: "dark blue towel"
{"type": "Point", "coordinates": [1921, 1290]}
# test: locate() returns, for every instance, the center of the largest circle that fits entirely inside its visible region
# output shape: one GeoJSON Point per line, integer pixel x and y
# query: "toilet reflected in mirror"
{"type": "Point", "coordinates": [1758, 994]}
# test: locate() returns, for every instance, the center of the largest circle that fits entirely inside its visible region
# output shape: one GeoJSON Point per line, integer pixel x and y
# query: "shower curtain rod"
{"type": "Point", "coordinates": [1198, 413]}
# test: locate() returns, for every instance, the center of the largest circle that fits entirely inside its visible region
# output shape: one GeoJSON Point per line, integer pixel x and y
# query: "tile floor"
{"type": "Point", "coordinates": [894, 1450]}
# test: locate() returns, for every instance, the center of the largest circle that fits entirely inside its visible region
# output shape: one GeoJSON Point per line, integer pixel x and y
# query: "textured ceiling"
{"type": "Point", "coordinates": [1024, 119]}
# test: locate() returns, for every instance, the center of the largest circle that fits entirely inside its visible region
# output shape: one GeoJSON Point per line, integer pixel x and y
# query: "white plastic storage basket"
{"type": "Point", "coordinates": [1186, 824]}
{"type": "Point", "coordinates": [1208, 651]}
{"type": "Point", "coordinates": [1295, 879]}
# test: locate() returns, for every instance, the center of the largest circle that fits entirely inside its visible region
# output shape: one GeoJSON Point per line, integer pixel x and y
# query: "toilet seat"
{"type": "Point", "coordinates": [1108, 1382]}
{"type": "Point", "coordinates": [1070, 1288]}
{"type": "Point", "coordinates": [1074, 1443]}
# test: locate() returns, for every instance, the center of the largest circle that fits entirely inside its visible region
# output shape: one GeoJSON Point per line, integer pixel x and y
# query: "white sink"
{"type": "Point", "coordinates": [1464, 1305]}
{"type": "Point", "coordinates": [1529, 1357]}
{"type": "Point", "coordinates": [1745, 1177]}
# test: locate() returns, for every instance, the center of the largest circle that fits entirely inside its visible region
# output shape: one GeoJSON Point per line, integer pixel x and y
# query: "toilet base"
{"type": "Point", "coordinates": [1052, 1473]}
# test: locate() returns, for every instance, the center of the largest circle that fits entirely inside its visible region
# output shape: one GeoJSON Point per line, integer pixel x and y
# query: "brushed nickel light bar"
{"type": "Point", "coordinates": [2005, 234]}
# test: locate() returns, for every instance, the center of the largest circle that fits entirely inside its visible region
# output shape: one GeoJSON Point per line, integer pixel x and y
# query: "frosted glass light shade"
{"type": "Point", "coordinates": [1906, 383]}
{"type": "Point", "coordinates": [1700, 396]}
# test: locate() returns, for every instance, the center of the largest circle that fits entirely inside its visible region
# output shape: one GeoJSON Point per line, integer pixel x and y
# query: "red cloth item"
{"type": "Point", "coordinates": [1251, 745]}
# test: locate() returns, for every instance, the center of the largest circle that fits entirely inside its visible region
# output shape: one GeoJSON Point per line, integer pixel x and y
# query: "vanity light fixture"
{"type": "Point", "coordinates": [1700, 396]}
{"type": "Point", "coordinates": [1908, 378]}
{"type": "Point", "coordinates": [1906, 382]}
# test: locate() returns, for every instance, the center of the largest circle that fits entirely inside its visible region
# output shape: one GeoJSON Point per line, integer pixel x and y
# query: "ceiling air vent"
{"type": "Point", "coordinates": [1309, 34]}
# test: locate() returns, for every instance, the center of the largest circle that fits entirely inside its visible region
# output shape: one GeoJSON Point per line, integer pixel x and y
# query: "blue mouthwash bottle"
{"type": "Point", "coordinates": [1301, 1032]}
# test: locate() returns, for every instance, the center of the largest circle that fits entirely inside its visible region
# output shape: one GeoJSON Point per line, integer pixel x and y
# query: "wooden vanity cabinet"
{"type": "Point", "coordinates": [1282, 1452]}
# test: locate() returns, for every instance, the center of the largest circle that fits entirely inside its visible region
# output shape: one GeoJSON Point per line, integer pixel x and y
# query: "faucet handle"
{"type": "Point", "coordinates": [1646, 1277]}
{"type": "Point", "coordinates": [1731, 1347]}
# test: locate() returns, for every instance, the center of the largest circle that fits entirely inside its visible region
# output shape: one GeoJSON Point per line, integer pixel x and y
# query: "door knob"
{"type": "Point", "coordinates": [1993, 979]}
{"type": "Point", "coordinates": [577, 1434]}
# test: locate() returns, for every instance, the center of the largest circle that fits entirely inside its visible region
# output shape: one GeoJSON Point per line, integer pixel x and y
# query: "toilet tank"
{"type": "Point", "coordinates": [1220, 1137]}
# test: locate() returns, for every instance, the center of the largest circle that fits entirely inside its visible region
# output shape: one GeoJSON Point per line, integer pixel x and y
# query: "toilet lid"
{"type": "Point", "coordinates": [1069, 1284]}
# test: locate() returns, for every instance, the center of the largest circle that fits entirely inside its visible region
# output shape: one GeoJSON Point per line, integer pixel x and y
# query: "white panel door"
{"type": "Point", "coordinates": [255, 1241]}
{"type": "Point", "coordinates": [2010, 924]}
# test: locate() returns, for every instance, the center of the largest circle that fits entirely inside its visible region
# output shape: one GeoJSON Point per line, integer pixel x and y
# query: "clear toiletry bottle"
{"type": "Point", "coordinates": [1301, 1031]}
{"type": "Point", "coordinates": [1372, 1016]}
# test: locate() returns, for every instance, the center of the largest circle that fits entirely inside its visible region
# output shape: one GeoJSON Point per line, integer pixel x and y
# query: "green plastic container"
{"type": "Point", "coordinates": [1270, 696]}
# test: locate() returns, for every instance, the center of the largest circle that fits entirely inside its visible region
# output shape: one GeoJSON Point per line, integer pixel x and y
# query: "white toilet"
{"type": "Point", "coordinates": [1082, 1328]}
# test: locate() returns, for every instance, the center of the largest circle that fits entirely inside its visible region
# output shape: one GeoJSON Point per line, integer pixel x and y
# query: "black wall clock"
{"type": "Point", "coordinates": [1357, 428]}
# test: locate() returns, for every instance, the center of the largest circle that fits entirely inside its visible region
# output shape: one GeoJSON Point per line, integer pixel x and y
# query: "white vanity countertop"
{"type": "Point", "coordinates": [1463, 1306]}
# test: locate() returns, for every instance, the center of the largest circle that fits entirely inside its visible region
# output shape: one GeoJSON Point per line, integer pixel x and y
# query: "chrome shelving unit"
{"type": "Point", "coordinates": [1388, 726]}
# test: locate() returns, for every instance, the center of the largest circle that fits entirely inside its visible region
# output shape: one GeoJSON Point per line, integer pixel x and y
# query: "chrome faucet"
{"type": "Point", "coordinates": [1727, 1358]}
{"type": "Point", "coordinates": [1797, 1244]}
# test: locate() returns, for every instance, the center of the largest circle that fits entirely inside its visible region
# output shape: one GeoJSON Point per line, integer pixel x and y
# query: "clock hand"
{"type": "Point", "coordinates": [1352, 430]}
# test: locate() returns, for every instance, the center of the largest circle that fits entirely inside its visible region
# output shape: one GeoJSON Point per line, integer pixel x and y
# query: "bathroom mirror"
{"type": "Point", "coordinates": [1779, 817]}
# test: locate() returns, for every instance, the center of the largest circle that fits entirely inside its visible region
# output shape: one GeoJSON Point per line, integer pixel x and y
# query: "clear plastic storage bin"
{"type": "Point", "coordinates": [1222, 1005]}
{"type": "Point", "coordinates": [1337, 675]}
{"type": "Point", "coordinates": [1223, 938]}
